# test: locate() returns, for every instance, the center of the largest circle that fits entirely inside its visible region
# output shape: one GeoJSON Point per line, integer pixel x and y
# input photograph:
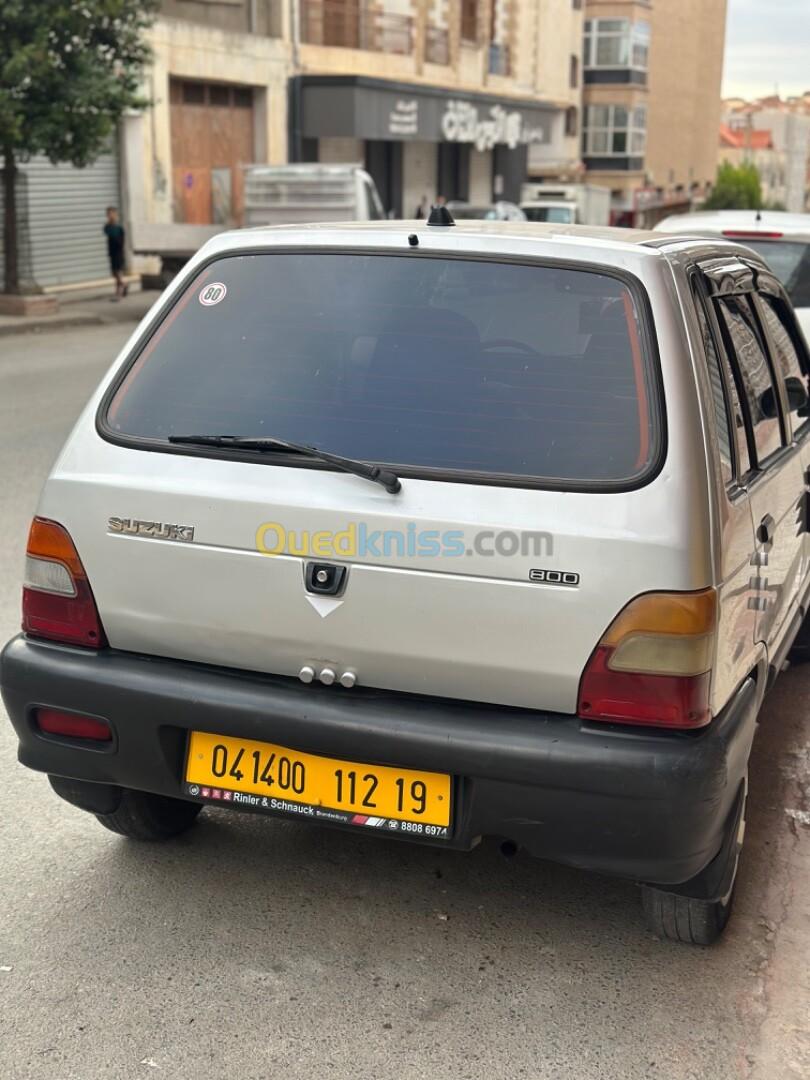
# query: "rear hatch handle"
{"type": "Point", "coordinates": [385, 477]}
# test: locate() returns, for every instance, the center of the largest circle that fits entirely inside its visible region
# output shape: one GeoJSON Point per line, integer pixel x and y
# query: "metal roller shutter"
{"type": "Point", "coordinates": [62, 211]}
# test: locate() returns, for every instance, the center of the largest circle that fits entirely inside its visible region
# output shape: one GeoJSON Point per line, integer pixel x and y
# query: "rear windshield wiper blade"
{"type": "Point", "coordinates": [389, 480]}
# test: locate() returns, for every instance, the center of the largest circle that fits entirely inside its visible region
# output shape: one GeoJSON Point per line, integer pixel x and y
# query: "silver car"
{"type": "Point", "coordinates": [782, 239]}
{"type": "Point", "coordinates": [436, 533]}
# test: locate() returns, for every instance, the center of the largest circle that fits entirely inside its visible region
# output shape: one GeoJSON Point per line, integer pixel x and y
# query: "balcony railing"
{"type": "Point", "coordinates": [356, 24]}
{"type": "Point", "coordinates": [499, 60]}
{"type": "Point", "coordinates": [437, 45]}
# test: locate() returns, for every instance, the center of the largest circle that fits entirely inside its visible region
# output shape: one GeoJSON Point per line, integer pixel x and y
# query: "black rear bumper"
{"type": "Point", "coordinates": [638, 804]}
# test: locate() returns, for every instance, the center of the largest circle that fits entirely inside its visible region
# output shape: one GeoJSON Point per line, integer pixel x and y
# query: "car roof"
{"type": "Point", "coordinates": [489, 232]}
{"type": "Point", "coordinates": [620, 249]}
{"type": "Point", "coordinates": [716, 222]}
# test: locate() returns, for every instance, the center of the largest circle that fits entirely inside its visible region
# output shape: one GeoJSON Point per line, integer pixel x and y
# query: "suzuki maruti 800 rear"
{"type": "Point", "coordinates": [426, 535]}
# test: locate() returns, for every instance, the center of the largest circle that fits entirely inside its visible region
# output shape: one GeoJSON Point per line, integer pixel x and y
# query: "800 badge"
{"type": "Point", "coordinates": [555, 577]}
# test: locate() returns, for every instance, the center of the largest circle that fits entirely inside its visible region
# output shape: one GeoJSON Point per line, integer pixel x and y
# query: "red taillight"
{"type": "Point", "coordinates": [653, 665]}
{"type": "Point", "coordinates": [73, 726]}
{"type": "Point", "coordinates": [751, 234]}
{"type": "Point", "coordinates": [58, 603]}
{"type": "Point", "coordinates": [627, 697]}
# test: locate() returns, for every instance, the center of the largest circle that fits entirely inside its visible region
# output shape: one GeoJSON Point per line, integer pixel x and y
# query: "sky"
{"type": "Point", "coordinates": [767, 46]}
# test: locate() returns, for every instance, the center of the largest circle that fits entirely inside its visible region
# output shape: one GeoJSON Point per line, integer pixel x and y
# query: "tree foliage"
{"type": "Point", "coordinates": [69, 69]}
{"type": "Point", "coordinates": [737, 188]}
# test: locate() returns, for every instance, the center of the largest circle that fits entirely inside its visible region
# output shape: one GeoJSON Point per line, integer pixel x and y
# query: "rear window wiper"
{"type": "Point", "coordinates": [389, 480]}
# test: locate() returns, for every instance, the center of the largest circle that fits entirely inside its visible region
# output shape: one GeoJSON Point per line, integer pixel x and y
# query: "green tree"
{"type": "Point", "coordinates": [68, 70]}
{"type": "Point", "coordinates": [737, 188]}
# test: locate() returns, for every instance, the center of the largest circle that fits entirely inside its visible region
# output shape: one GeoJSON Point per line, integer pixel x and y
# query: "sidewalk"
{"type": "Point", "coordinates": [88, 311]}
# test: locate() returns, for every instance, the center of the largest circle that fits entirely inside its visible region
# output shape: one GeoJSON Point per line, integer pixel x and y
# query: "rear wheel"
{"type": "Point", "coordinates": [685, 918]}
{"type": "Point", "coordinates": [800, 650]}
{"type": "Point", "coordinates": [141, 816]}
{"type": "Point", "coordinates": [697, 913]}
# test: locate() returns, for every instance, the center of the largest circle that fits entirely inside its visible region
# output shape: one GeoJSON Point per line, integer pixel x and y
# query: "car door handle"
{"type": "Point", "coordinates": [766, 530]}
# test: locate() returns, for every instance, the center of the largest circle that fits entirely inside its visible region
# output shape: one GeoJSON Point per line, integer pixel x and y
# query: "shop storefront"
{"type": "Point", "coordinates": [418, 142]}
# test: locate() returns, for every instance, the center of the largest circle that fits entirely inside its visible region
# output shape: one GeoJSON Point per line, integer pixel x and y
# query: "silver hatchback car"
{"type": "Point", "coordinates": [437, 533]}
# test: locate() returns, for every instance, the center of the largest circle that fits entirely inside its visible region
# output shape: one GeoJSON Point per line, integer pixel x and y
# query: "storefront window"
{"type": "Point", "coordinates": [614, 130]}
{"type": "Point", "coordinates": [616, 43]}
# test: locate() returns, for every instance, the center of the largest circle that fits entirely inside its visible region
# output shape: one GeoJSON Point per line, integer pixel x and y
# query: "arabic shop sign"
{"type": "Point", "coordinates": [464, 122]}
{"type": "Point", "coordinates": [354, 109]}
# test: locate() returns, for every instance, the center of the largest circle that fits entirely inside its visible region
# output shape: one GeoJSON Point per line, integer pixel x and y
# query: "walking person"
{"type": "Point", "coordinates": [115, 234]}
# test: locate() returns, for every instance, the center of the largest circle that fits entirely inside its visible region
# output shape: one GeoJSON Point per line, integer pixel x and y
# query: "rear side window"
{"type": "Point", "coordinates": [757, 381]}
{"type": "Point", "coordinates": [475, 367]}
{"type": "Point", "coordinates": [786, 355]}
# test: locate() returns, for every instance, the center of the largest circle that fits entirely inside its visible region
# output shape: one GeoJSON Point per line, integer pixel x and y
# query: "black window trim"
{"type": "Point", "coordinates": [759, 466]}
{"type": "Point", "coordinates": [801, 431]}
{"type": "Point", "coordinates": [702, 301]}
{"type": "Point", "coordinates": [649, 344]}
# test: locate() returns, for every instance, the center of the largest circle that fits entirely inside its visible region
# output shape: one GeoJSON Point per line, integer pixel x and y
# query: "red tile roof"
{"type": "Point", "coordinates": [745, 138]}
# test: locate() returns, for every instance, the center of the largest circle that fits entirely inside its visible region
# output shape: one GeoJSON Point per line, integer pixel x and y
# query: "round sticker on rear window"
{"type": "Point", "coordinates": [212, 294]}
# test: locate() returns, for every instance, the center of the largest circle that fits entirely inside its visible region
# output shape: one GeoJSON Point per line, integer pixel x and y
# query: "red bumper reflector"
{"type": "Point", "coordinates": [54, 722]}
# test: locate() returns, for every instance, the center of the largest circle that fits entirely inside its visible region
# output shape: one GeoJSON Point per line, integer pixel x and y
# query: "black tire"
{"type": "Point", "coordinates": [684, 918]}
{"type": "Point", "coordinates": [696, 920]}
{"type": "Point", "coordinates": [800, 649]}
{"type": "Point", "coordinates": [141, 816]}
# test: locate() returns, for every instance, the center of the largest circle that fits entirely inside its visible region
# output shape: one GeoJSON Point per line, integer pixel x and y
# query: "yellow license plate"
{"type": "Point", "coordinates": [262, 776]}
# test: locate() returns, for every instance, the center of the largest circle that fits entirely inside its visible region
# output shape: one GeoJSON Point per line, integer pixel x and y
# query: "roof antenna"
{"type": "Point", "coordinates": [440, 215]}
{"type": "Point", "coordinates": [758, 218]}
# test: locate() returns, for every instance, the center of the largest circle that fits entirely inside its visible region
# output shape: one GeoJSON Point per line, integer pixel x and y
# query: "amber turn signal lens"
{"type": "Point", "coordinates": [51, 541]}
{"type": "Point", "coordinates": [681, 614]}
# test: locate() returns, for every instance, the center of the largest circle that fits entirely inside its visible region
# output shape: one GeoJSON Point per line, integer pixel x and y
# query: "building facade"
{"type": "Point", "coordinates": [218, 91]}
{"type": "Point", "coordinates": [651, 103]}
{"type": "Point", "coordinates": [453, 98]}
{"type": "Point", "coordinates": [785, 167]}
{"type": "Point", "coordinates": [438, 97]}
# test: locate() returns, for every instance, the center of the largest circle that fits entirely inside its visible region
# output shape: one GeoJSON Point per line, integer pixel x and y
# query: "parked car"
{"type": "Point", "coordinates": [497, 211]}
{"type": "Point", "coordinates": [436, 534]}
{"type": "Point", "coordinates": [782, 239]}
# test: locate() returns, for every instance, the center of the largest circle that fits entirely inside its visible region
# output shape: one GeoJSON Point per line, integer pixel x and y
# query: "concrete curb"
{"type": "Point", "coordinates": [92, 314]}
{"type": "Point", "coordinates": [51, 323]}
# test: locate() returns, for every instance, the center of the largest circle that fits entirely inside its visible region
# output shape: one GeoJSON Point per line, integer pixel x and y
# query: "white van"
{"type": "Point", "coordinates": [437, 533]}
{"type": "Point", "coordinates": [292, 194]}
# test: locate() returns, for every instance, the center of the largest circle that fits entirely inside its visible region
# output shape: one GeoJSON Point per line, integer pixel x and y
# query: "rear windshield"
{"type": "Point", "coordinates": [485, 367]}
{"type": "Point", "coordinates": [790, 262]}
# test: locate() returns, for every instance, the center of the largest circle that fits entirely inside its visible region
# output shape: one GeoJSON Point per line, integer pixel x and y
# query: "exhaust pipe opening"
{"type": "Point", "coordinates": [509, 849]}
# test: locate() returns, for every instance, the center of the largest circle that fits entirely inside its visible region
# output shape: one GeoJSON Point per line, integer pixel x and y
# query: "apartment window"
{"type": "Point", "coordinates": [571, 117]}
{"type": "Point", "coordinates": [573, 72]}
{"type": "Point", "coordinates": [499, 59]}
{"type": "Point", "coordinates": [614, 131]}
{"type": "Point", "coordinates": [616, 43]}
{"type": "Point", "coordinates": [469, 20]}
{"type": "Point", "coordinates": [577, 5]}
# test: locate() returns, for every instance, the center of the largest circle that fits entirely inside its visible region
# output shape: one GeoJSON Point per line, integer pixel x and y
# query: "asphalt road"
{"type": "Point", "coordinates": [252, 948]}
